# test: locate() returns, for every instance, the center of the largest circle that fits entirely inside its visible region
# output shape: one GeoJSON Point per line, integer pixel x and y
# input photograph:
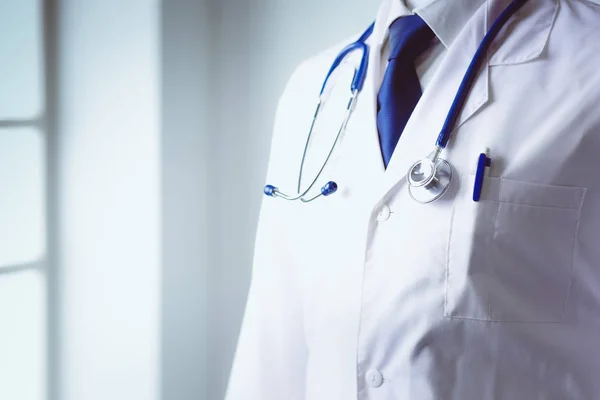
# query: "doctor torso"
{"type": "Point", "coordinates": [369, 295]}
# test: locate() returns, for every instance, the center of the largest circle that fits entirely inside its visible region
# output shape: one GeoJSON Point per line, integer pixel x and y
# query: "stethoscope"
{"type": "Point", "coordinates": [429, 178]}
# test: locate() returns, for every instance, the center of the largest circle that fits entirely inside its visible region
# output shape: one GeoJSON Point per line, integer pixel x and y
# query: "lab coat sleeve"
{"type": "Point", "coordinates": [270, 360]}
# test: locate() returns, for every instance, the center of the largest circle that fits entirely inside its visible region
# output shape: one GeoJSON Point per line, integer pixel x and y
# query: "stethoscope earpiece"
{"type": "Point", "coordinates": [330, 188]}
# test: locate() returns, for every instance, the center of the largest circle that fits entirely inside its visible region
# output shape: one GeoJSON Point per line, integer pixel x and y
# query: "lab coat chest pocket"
{"type": "Point", "coordinates": [510, 255]}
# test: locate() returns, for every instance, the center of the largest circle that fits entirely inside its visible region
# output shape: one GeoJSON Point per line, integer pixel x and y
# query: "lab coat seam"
{"type": "Point", "coordinates": [516, 203]}
{"type": "Point", "coordinates": [589, 3]}
{"type": "Point", "coordinates": [447, 313]}
{"type": "Point", "coordinates": [493, 251]}
{"type": "Point", "coordinates": [527, 185]}
{"type": "Point", "coordinates": [573, 253]}
{"type": "Point", "coordinates": [510, 320]}
{"type": "Point", "coordinates": [360, 387]}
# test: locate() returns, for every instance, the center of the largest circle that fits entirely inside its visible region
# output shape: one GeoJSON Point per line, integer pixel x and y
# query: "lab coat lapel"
{"type": "Point", "coordinates": [522, 40]}
{"type": "Point", "coordinates": [524, 37]}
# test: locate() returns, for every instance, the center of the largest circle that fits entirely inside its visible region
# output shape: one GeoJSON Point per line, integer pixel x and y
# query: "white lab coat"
{"type": "Point", "coordinates": [369, 295]}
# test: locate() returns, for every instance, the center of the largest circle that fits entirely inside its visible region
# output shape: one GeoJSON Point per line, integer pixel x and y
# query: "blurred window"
{"type": "Point", "coordinates": [22, 202]}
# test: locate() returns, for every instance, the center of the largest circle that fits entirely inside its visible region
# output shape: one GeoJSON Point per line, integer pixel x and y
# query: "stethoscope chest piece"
{"type": "Point", "coordinates": [428, 180]}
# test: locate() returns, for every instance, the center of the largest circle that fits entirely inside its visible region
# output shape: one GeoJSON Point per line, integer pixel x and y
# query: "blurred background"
{"type": "Point", "coordinates": [134, 137]}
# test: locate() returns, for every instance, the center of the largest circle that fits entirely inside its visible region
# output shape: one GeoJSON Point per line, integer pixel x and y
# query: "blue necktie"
{"type": "Point", "coordinates": [401, 90]}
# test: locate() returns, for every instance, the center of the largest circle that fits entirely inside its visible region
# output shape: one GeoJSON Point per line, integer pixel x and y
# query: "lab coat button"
{"type": "Point", "coordinates": [384, 213]}
{"type": "Point", "coordinates": [374, 378]}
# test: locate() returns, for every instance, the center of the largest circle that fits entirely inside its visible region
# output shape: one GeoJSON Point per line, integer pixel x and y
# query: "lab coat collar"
{"type": "Point", "coordinates": [523, 39]}
{"type": "Point", "coordinates": [446, 18]}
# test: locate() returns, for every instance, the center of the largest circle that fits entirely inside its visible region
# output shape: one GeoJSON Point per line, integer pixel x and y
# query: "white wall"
{"type": "Point", "coordinates": [185, 192]}
{"type": "Point", "coordinates": [108, 199]}
{"type": "Point", "coordinates": [258, 44]}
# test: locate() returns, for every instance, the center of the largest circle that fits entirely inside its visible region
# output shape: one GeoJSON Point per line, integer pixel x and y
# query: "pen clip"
{"type": "Point", "coordinates": [482, 162]}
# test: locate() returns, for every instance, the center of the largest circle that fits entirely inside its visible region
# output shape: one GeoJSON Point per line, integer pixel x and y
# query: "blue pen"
{"type": "Point", "coordinates": [482, 162]}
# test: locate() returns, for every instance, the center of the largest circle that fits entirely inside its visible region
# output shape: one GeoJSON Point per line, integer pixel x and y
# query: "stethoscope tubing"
{"type": "Point", "coordinates": [357, 85]}
{"type": "Point", "coordinates": [349, 110]}
{"type": "Point", "coordinates": [472, 72]}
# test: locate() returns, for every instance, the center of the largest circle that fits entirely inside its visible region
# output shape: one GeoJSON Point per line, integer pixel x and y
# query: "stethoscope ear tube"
{"type": "Point", "coordinates": [356, 86]}
{"type": "Point", "coordinates": [359, 77]}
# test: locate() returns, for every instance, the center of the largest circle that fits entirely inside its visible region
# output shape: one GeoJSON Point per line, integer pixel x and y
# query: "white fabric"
{"type": "Point", "coordinates": [453, 300]}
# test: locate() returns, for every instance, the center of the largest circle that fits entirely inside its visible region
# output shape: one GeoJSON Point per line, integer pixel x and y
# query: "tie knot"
{"type": "Point", "coordinates": [410, 36]}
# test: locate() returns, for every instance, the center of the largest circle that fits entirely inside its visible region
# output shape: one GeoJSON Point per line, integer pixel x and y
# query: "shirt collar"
{"type": "Point", "coordinates": [397, 9]}
{"type": "Point", "coordinates": [445, 17]}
